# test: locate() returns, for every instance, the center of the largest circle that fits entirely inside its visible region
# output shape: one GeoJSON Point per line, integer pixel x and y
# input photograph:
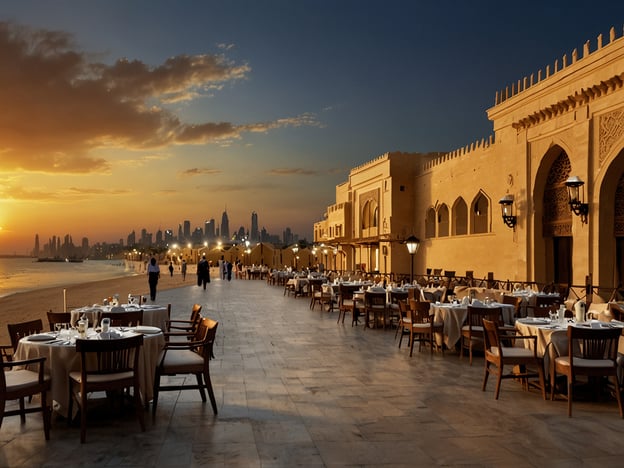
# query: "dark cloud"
{"type": "Point", "coordinates": [58, 105]}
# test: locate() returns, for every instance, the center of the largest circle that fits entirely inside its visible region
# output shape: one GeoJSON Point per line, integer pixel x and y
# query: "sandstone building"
{"type": "Point", "coordinates": [564, 121]}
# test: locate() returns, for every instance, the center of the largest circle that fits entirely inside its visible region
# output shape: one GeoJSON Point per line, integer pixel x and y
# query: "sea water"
{"type": "Point", "coordinates": [26, 274]}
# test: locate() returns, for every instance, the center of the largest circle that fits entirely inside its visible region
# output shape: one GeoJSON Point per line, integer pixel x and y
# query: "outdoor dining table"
{"type": "Point", "coordinates": [62, 358]}
{"type": "Point", "coordinates": [154, 315]}
{"type": "Point", "coordinates": [552, 340]}
{"type": "Point", "coordinates": [454, 316]}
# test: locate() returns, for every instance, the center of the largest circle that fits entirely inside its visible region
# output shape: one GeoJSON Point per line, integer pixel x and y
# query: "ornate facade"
{"type": "Point", "coordinates": [567, 120]}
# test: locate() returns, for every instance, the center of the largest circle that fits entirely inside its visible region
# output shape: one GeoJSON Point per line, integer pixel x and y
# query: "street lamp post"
{"type": "Point", "coordinates": [295, 249]}
{"type": "Point", "coordinates": [412, 243]}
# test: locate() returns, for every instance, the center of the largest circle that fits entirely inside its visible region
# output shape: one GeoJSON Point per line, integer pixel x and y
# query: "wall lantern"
{"type": "Point", "coordinates": [412, 243]}
{"type": "Point", "coordinates": [576, 197]}
{"type": "Point", "coordinates": [506, 204]}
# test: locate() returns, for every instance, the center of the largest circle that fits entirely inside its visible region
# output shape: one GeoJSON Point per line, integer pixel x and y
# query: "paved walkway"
{"type": "Point", "coordinates": [296, 389]}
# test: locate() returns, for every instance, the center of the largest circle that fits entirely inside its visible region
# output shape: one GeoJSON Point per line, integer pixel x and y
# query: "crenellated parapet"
{"type": "Point", "coordinates": [558, 66]}
{"type": "Point", "coordinates": [478, 145]}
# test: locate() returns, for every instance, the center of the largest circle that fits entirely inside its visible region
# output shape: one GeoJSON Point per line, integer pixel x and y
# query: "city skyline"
{"type": "Point", "coordinates": [64, 245]}
{"type": "Point", "coordinates": [121, 114]}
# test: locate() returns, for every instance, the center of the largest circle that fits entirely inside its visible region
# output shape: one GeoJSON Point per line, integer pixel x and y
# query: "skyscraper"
{"type": "Point", "coordinates": [187, 230]}
{"type": "Point", "coordinates": [225, 226]}
{"type": "Point", "coordinates": [254, 227]}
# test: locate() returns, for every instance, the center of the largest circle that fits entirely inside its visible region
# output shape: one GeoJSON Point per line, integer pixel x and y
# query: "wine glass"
{"type": "Point", "coordinates": [58, 327]}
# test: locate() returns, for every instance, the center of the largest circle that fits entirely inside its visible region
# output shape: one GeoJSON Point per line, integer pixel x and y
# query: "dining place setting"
{"type": "Point", "coordinates": [59, 347]}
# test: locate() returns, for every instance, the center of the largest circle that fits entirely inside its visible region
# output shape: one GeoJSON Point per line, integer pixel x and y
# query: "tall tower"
{"type": "Point", "coordinates": [187, 230]}
{"type": "Point", "coordinates": [254, 227]}
{"type": "Point", "coordinates": [225, 226]}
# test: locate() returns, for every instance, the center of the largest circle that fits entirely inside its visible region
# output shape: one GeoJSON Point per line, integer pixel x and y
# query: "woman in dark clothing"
{"type": "Point", "coordinates": [153, 274]}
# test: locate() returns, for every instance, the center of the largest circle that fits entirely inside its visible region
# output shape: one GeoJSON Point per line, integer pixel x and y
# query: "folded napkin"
{"type": "Point", "coordinates": [477, 303]}
{"type": "Point", "coordinates": [110, 335]}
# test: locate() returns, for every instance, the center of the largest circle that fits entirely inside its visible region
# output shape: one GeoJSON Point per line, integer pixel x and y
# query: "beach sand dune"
{"type": "Point", "coordinates": [35, 304]}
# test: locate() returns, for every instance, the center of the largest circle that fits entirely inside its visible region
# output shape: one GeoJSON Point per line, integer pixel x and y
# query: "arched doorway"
{"type": "Point", "coordinates": [610, 208]}
{"type": "Point", "coordinates": [557, 220]}
{"type": "Point", "coordinates": [552, 256]}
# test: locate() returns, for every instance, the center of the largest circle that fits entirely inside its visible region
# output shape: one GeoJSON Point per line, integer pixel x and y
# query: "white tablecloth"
{"type": "Point", "coordinates": [154, 315]}
{"type": "Point", "coordinates": [61, 359]}
{"type": "Point", "coordinates": [454, 317]}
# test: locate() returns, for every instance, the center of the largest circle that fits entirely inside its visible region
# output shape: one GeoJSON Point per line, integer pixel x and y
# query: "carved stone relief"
{"type": "Point", "coordinates": [611, 128]}
{"type": "Point", "coordinates": [557, 217]}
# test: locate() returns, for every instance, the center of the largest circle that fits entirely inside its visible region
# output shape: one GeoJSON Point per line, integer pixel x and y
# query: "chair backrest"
{"type": "Point", "coordinates": [419, 311]}
{"type": "Point", "coordinates": [124, 319]}
{"type": "Point", "coordinates": [346, 291]}
{"type": "Point", "coordinates": [593, 343]}
{"type": "Point", "coordinates": [58, 317]}
{"type": "Point", "coordinates": [196, 312]}
{"type": "Point", "coordinates": [544, 301]}
{"type": "Point", "coordinates": [398, 296]}
{"type": "Point", "coordinates": [490, 335]}
{"type": "Point", "coordinates": [206, 333]}
{"type": "Point", "coordinates": [112, 356]}
{"type": "Point", "coordinates": [545, 311]}
{"type": "Point", "coordinates": [477, 314]}
{"type": "Point", "coordinates": [515, 301]}
{"type": "Point", "coordinates": [20, 330]}
{"type": "Point", "coordinates": [403, 309]}
{"type": "Point", "coordinates": [374, 299]}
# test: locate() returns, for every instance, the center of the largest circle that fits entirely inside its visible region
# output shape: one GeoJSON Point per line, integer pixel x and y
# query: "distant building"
{"type": "Point", "coordinates": [225, 226]}
{"type": "Point", "coordinates": [253, 235]}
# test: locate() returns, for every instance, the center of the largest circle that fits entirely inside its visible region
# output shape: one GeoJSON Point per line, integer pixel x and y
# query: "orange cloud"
{"type": "Point", "coordinates": [58, 105]}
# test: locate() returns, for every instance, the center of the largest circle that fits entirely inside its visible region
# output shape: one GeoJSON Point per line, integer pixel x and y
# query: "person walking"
{"type": "Point", "coordinates": [203, 272]}
{"type": "Point", "coordinates": [229, 271]}
{"type": "Point", "coordinates": [153, 275]}
{"type": "Point", "coordinates": [183, 270]}
{"type": "Point", "coordinates": [171, 268]}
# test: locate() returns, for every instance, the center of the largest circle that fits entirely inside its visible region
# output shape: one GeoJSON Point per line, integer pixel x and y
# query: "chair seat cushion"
{"type": "Point", "coordinates": [101, 378]}
{"type": "Point", "coordinates": [580, 362]}
{"type": "Point", "coordinates": [513, 352]}
{"type": "Point", "coordinates": [18, 380]}
{"type": "Point", "coordinates": [182, 361]}
{"type": "Point", "coordinates": [475, 328]}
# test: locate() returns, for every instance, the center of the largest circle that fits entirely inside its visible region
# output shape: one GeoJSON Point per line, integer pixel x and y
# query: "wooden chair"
{"type": "Point", "coordinates": [22, 329]}
{"type": "Point", "coordinates": [500, 352]}
{"type": "Point", "coordinates": [394, 313]}
{"type": "Point", "coordinates": [375, 306]}
{"type": "Point", "coordinates": [124, 319]}
{"type": "Point", "coordinates": [541, 305]}
{"type": "Point", "coordinates": [186, 328]}
{"type": "Point", "coordinates": [591, 352]}
{"type": "Point", "coordinates": [58, 317]}
{"type": "Point", "coordinates": [472, 331]}
{"type": "Point", "coordinates": [21, 384]}
{"type": "Point", "coordinates": [189, 358]}
{"type": "Point", "coordinates": [346, 303]}
{"type": "Point", "coordinates": [515, 301]}
{"type": "Point", "coordinates": [318, 296]}
{"type": "Point", "coordinates": [106, 366]}
{"type": "Point", "coordinates": [405, 321]}
{"type": "Point", "coordinates": [423, 326]}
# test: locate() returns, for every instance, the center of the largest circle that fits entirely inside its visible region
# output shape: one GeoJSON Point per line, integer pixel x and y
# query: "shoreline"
{"type": "Point", "coordinates": [34, 304]}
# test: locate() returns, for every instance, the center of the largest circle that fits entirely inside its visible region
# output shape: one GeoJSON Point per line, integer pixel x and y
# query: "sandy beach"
{"type": "Point", "coordinates": [35, 304]}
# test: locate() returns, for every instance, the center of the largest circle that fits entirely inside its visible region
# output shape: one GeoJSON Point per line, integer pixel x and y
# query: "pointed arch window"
{"type": "Point", "coordinates": [370, 214]}
{"type": "Point", "coordinates": [443, 221]}
{"type": "Point", "coordinates": [430, 223]}
{"type": "Point", "coordinates": [460, 218]}
{"type": "Point", "coordinates": [480, 214]}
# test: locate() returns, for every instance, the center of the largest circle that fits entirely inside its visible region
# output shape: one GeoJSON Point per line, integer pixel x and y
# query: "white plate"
{"type": "Point", "coordinates": [146, 329]}
{"type": "Point", "coordinates": [41, 337]}
{"type": "Point", "coordinates": [150, 306]}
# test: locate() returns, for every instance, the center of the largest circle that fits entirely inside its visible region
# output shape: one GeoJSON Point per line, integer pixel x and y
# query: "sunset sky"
{"type": "Point", "coordinates": [123, 115]}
